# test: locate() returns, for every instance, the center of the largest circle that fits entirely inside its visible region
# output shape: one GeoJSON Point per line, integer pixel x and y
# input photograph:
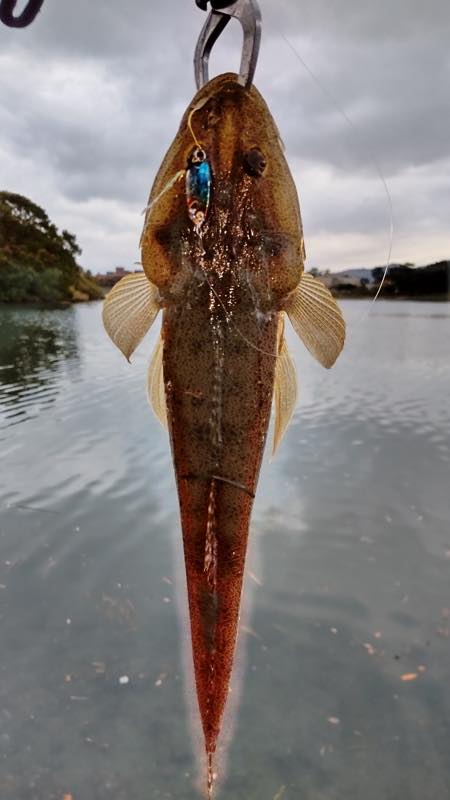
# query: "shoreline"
{"type": "Point", "coordinates": [426, 298]}
{"type": "Point", "coordinates": [61, 305]}
{"type": "Point", "coordinates": [441, 298]}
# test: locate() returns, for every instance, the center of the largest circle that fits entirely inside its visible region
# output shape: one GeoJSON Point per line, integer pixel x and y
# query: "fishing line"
{"type": "Point", "coordinates": [191, 130]}
{"type": "Point", "coordinates": [233, 325]}
{"type": "Point", "coordinates": [372, 159]}
{"type": "Point", "coordinates": [193, 111]}
{"type": "Point", "coordinates": [177, 177]}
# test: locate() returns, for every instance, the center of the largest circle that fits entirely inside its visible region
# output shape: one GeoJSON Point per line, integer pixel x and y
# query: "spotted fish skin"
{"type": "Point", "coordinates": [221, 294]}
{"type": "Point", "coordinates": [218, 431]}
{"type": "Point", "coordinates": [223, 256]}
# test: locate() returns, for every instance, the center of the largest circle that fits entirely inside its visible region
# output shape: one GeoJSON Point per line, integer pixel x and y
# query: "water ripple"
{"type": "Point", "coordinates": [349, 572]}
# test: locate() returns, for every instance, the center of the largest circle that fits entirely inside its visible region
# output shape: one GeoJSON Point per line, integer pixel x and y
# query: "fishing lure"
{"type": "Point", "coordinates": [198, 187]}
{"type": "Point", "coordinates": [223, 258]}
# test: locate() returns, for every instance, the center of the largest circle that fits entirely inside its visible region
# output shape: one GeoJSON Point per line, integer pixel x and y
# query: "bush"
{"type": "Point", "coordinates": [37, 263]}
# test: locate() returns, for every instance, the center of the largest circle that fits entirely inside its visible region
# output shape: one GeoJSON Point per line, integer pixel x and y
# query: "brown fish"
{"type": "Point", "coordinates": [223, 257]}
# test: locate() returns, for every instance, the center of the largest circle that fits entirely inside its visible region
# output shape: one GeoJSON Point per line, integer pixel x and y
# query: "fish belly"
{"type": "Point", "coordinates": [218, 374]}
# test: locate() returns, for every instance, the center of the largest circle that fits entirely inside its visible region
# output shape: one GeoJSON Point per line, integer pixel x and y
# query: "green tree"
{"type": "Point", "coordinates": [37, 262]}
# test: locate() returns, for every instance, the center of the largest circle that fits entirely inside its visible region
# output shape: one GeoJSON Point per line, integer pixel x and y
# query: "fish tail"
{"type": "Point", "coordinates": [210, 776]}
{"type": "Point", "coordinates": [215, 518]}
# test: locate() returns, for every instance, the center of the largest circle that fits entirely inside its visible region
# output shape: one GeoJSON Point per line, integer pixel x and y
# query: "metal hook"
{"type": "Point", "coordinates": [27, 16]}
{"type": "Point", "coordinates": [249, 15]}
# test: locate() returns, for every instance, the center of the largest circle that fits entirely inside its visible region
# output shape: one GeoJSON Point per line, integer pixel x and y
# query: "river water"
{"type": "Point", "coordinates": [344, 654]}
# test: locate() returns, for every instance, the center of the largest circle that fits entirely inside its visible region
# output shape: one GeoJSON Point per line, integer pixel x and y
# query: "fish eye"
{"type": "Point", "coordinates": [254, 162]}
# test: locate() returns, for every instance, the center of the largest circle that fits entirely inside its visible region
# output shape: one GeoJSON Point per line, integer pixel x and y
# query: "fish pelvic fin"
{"type": "Point", "coordinates": [316, 319]}
{"type": "Point", "coordinates": [155, 384]}
{"type": "Point", "coordinates": [285, 387]}
{"type": "Point", "coordinates": [129, 311]}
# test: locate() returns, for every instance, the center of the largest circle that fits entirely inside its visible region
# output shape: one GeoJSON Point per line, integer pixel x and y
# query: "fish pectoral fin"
{"type": "Point", "coordinates": [129, 310]}
{"type": "Point", "coordinates": [285, 388]}
{"type": "Point", "coordinates": [317, 319]}
{"type": "Point", "coordinates": [155, 384]}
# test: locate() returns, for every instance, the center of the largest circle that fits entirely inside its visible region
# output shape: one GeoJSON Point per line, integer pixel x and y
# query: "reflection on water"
{"type": "Point", "coordinates": [347, 589]}
{"type": "Point", "coordinates": [35, 346]}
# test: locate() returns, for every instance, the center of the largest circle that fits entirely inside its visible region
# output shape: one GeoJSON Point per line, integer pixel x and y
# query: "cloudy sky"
{"type": "Point", "coordinates": [92, 93]}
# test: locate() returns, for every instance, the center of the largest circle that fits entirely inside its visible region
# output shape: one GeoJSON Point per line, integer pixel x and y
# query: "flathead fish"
{"type": "Point", "coordinates": [223, 258]}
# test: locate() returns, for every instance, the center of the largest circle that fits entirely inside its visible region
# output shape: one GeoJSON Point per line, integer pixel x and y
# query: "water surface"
{"type": "Point", "coordinates": [348, 587]}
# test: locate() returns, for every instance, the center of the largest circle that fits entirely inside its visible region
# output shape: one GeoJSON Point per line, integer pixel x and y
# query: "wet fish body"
{"type": "Point", "coordinates": [218, 429]}
{"type": "Point", "coordinates": [223, 257]}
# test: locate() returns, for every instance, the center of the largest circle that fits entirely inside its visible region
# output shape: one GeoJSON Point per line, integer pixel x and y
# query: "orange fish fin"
{"type": "Point", "coordinates": [317, 319]}
{"type": "Point", "coordinates": [155, 384]}
{"type": "Point", "coordinates": [129, 310]}
{"type": "Point", "coordinates": [285, 387]}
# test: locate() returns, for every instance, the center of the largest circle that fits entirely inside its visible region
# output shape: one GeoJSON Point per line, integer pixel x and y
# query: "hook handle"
{"type": "Point", "coordinates": [216, 5]}
{"type": "Point", "coordinates": [248, 14]}
{"type": "Point", "coordinates": [24, 19]}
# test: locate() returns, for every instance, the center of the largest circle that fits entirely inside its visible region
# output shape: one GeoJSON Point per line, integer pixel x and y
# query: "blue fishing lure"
{"type": "Point", "coordinates": [198, 187]}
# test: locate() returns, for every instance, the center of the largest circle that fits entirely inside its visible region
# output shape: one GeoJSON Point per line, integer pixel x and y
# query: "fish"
{"type": "Point", "coordinates": [223, 259]}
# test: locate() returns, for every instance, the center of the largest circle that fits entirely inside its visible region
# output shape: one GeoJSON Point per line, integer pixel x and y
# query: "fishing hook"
{"type": "Point", "coordinates": [24, 19]}
{"type": "Point", "coordinates": [249, 15]}
{"type": "Point", "coordinates": [215, 4]}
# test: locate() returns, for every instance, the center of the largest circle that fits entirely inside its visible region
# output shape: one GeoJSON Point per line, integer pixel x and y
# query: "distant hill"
{"type": "Point", "coordinates": [37, 262]}
{"type": "Point", "coordinates": [401, 281]}
{"type": "Point", "coordinates": [363, 273]}
{"type": "Point", "coordinates": [409, 281]}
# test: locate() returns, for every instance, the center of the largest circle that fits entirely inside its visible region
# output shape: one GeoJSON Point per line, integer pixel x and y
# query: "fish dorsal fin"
{"type": "Point", "coordinates": [129, 310]}
{"type": "Point", "coordinates": [285, 387]}
{"type": "Point", "coordinates": [317, 319]}
{"type": "Point", "coordinates": [155, 384]}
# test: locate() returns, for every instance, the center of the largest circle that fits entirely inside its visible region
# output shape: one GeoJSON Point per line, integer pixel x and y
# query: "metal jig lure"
{"type": "Point", "coordinates": [198, 186]}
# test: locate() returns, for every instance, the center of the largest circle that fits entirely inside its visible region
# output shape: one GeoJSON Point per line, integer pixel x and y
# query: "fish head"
{"type": "Point", "coordinates": [250, 218]}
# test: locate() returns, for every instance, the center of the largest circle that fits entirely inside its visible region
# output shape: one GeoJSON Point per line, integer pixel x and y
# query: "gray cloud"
{"type": "Point", "coordinates": [91, 96]}
{"type": "Point", "coordinates": [348, 20]}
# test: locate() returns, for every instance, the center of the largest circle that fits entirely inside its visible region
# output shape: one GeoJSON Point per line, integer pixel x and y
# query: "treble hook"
{"type": "Point", "coordinates": [27, 16]}
{"type": "Point", "coordinates": [249, 15]}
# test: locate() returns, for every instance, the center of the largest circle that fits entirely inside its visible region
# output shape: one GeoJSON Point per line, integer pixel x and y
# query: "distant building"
{"type": "Point", "coordinates": [109, 279]}
{"type": "Point", "coordinates": [342, 280]}
{"type": "Point", "coordinates": [399, 280]}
